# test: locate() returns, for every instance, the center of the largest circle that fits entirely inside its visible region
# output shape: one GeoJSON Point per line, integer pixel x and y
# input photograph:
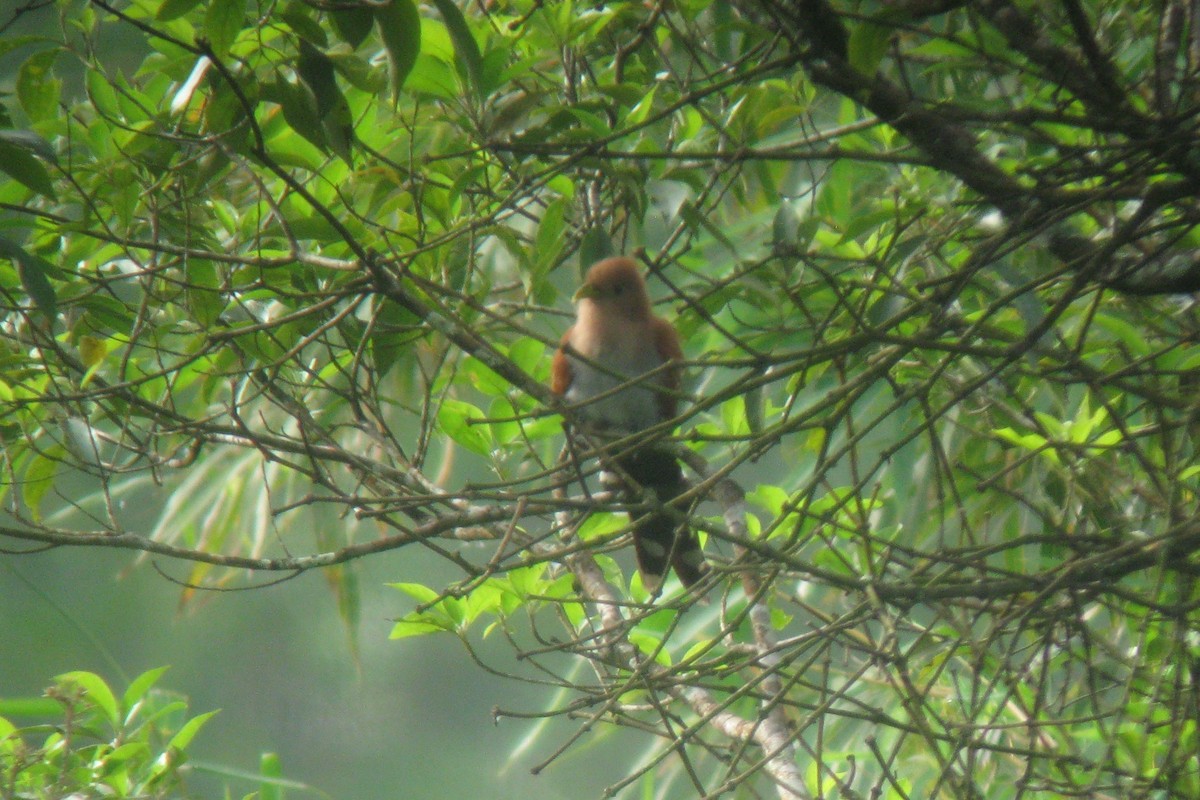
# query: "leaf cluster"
{"type": "Point", "coordinates": [98, 744]}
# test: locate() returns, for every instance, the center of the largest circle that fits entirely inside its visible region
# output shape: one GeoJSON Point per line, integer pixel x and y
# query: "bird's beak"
{"type": "Point", "coordinates": [586, 291]}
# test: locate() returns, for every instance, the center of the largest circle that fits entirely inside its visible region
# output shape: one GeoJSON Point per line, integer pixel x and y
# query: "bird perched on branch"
{"type": "Point", "coordinates": [618, 366]}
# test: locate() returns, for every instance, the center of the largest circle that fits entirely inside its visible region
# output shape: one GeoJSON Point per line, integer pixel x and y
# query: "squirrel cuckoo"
{"type": "Point", "coordinates": [615, 341]}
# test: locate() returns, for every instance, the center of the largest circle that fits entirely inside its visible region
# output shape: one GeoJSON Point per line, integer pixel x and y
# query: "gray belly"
{"type": "Point", "coordinates": [630, 409]}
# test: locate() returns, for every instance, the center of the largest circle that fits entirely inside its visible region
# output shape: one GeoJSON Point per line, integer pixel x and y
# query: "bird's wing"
{"type": "Point", "coordinates": [666, 342]}
{"type": "Point", "coordinates": [560, 368]}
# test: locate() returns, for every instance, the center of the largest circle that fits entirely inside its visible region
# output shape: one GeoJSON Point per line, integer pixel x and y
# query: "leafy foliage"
{"type": "Point", "coordinates": [304, 264]}
{"type": "Point", "coordinates": [131, 746]}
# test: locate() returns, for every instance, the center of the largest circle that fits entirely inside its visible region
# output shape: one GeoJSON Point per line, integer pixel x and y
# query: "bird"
{"type": "Point", "coordinates": [618, 367]}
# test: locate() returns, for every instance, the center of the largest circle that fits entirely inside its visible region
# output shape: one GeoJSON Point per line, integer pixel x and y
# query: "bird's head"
{"type": "Point", "coordinates": [615, 286]}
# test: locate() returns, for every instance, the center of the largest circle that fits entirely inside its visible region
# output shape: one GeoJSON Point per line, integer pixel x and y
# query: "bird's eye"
{"type": "Point", "coordinates": [618, 289]}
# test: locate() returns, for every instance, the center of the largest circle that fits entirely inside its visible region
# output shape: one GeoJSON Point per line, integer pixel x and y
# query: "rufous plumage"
{"type": "Point", "coordinates": [618, 369]}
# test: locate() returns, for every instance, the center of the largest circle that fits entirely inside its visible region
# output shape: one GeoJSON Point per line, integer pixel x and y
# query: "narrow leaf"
{"type": "Point", "coordinates": [270, 768]}
{"type": "Point", "coordinates": [400, 28]}
{"type": "Point", "coordinates": [39, 478]}
{"type": "Point", "coordinates": [316, 70]}
{"type": "Point", "coordinates": [470, 63]}
{"type": "Point", "coordinates": [31, 142]}
{"type": "Point", "coordinates": [549, 240]}
{"type": "Point", "coordinates": [32, 270]}
{"type": "Point", "coordinates": [141, 685]}
{"type": "Point", "coordinates": [25, 707]}
{"type": "Point", "coordinates": [184, 737]}
{"type": "Point", "coordinates": [300, 21]}
{"type": "Point", "coordinates": [300, 111]}
{"type": "Point", "coordinates": [18, 163]}
{"type": "Point", "coordinates": [407, 628]}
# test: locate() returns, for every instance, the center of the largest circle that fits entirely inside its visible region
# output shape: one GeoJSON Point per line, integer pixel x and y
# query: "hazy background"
{"type": "Point", "coordinates": [416, 722]}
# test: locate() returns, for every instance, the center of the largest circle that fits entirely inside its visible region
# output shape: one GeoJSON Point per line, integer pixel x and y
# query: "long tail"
{"type": "Point", "coordinates": [660, 540]}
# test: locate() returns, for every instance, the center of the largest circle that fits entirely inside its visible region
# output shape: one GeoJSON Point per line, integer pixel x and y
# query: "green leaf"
{"type": "Point", "coordinates": [433, 77]}
{"type": "Point", "coordinates": [780, 619]}
{"type": "Point", "coordinates": [27, 707]}
{"type": "Point", "coordinates": [596, 245]}
{"type": "Point", "coordinates": [868, 45]}
{"type": "Point", "coordinates": [400, 28]}
{"type": "Point", "coordinates": [20, 165]}
{"type": "Point", "coordinates": [484, 599]}
{"type": "Point", "coordinates": [39, 478]}
{"type": "Point", "coordinates": [300, 21]}
{"type": "Point", "coordinates": [469, 61]}
{"type": "Point", "coordinates": [223, 23]}
{"type": "Point", "coordinates": [641, 110]}
{"type": "Point", "coordinates": [601, 524]}
{"type": "Point", "coordinates": [483, 378]}
{"type": "Point", "coordinates": [772, 498]}
{"type": "Point", "coordinates": [1056, 427]}
{"type": "Point", "coordinates": [506, 431]}
{"type": "Point", "coordinates": [733, 414]}
{"type": "Point", "coordinates": [270, 769]}
{"type": "Point", "coordinates": [753, 402]}
{"type": "Point", "coordinates": [130, 754]}
{"type": "Point", "coordinates": [835, 197]}
{"type": "Point", "coordinates": [404, 629]}
{"type": "Point", "coordinates": [392, 336]}
{"type": "Point", "coordinates": [299, 110]}
{"type": "Point", "coordinates": [184, 737]}
{"type": "Point", "coordinates": [549, 242]}
{"type": "Point", "coordinates": [173, 9]}
{"type": "Point", "coordinates": [418, 591]}
{"type": "Point", "coordinates": [102, 94]}
{"type": "Point", "coordinates": [95, 690]}
{"type": "Point", "coordinates": [457, 419]}
{"type": "Point", "coordinates": [11, 43]}
{"type": "Point", "coordinates": [701, 221]}
{"type": "Point", "coordinates": [138, 689]}
{"type": "Point", "coordinates": [317, 72]}
{"type": "Point", "coordinates": [32, 269]}
{"type": "Point", "coordinates": [528, 580]}
{"type": "Point", "coordinates": [527, 353]}
{"type": "Point", "coordinates": [105, 314]}
{"type": "Point", "coordinates": [31, 142]}
{"type": "Point", "coordinates": [37, 88]}
{"type": "Point", "coordinates": [358, 72]}
{"type": "Point", "coordinates": [352, 25]}
{"type": "Point", "coordinates": [203, 299]}
{"type": "Point", "coordinates": [650, 645]}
